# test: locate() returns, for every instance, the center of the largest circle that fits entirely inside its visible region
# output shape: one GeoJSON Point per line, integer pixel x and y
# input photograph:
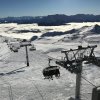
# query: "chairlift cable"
{"type": "Point", "coordinates": [88, 81]}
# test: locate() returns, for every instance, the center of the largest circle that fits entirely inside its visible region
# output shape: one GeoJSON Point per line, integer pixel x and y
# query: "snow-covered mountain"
{"type": "Point", "coordinates": [52, 20]}
{"type": "Point", "coordinates": [27, 83]}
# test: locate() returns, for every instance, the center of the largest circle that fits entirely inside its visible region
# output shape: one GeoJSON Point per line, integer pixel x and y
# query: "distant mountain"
{"type": "Point", "coordinates": [52, 20]}
{"type": "Point", "coordinates": [20, 20]}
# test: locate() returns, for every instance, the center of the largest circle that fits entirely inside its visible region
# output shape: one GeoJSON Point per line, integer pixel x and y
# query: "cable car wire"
{"type": "Point", "coordinates": [88, 81]}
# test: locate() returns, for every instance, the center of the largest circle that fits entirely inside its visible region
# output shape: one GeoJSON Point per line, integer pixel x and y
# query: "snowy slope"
{"type": "Point", "coordinates": [11, 30]}
{"type": "Point", "coordinates": [27, 83]}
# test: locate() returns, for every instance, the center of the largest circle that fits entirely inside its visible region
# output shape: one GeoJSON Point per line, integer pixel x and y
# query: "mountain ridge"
{"type": "Point", "coordinates": [52, 20]}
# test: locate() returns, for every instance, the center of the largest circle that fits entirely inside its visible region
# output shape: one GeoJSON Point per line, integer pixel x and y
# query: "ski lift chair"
{"type": "Point", "coordinates": [51, 71]}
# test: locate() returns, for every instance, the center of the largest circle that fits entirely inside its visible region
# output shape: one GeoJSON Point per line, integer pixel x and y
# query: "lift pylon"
{"type": "Point", "coordinates": [73, 62]}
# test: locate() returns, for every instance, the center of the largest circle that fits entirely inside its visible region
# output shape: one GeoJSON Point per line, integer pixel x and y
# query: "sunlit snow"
{"type": "Point", "coordinates": [27, 83]}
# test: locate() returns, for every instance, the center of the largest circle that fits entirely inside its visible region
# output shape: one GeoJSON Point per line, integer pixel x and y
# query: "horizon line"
{"type": "Point", "coordinates": [51, 14]}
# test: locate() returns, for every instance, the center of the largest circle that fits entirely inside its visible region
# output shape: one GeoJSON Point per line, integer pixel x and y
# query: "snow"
{"type": "Point", "coordinates": [27, 83]}
{"type": "Point", "coordinates": [10, 29]}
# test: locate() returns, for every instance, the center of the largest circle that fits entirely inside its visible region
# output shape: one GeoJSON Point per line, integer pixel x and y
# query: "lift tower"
{"type": "Point", "coordinates": [73, 62]}
{"type": "Point", "coordinates": [26, 43]}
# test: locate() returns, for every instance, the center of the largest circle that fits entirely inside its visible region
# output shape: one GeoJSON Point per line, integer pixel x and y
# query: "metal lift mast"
{"type": "Point", "coordinates": [26, 43]}
{"type": "Point", "coordinates": [73, 62]}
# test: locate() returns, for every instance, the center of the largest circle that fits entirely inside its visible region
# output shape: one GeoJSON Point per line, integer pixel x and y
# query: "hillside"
{"type": "Point", "coordinates": [27, 83]}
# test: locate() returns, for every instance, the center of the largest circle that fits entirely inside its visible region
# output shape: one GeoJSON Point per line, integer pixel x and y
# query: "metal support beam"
{"type": "Point", "coordinates": [27, 59]}
{"type": "Point", "coordinates": [78, 56]}
{"type": "Point", "coordinates": [78, 83]}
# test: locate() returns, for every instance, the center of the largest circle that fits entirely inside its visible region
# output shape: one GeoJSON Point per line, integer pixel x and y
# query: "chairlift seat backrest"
{"type": "Point", "coordinates": [51, 68]}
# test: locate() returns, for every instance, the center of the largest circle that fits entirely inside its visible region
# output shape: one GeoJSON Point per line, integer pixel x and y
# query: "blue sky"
{"type": "Point", "coordinates": [48, 7]}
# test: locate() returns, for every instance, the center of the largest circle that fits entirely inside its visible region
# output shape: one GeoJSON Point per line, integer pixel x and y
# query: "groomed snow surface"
{"type": "Point", "coordinates": [27, 83]}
